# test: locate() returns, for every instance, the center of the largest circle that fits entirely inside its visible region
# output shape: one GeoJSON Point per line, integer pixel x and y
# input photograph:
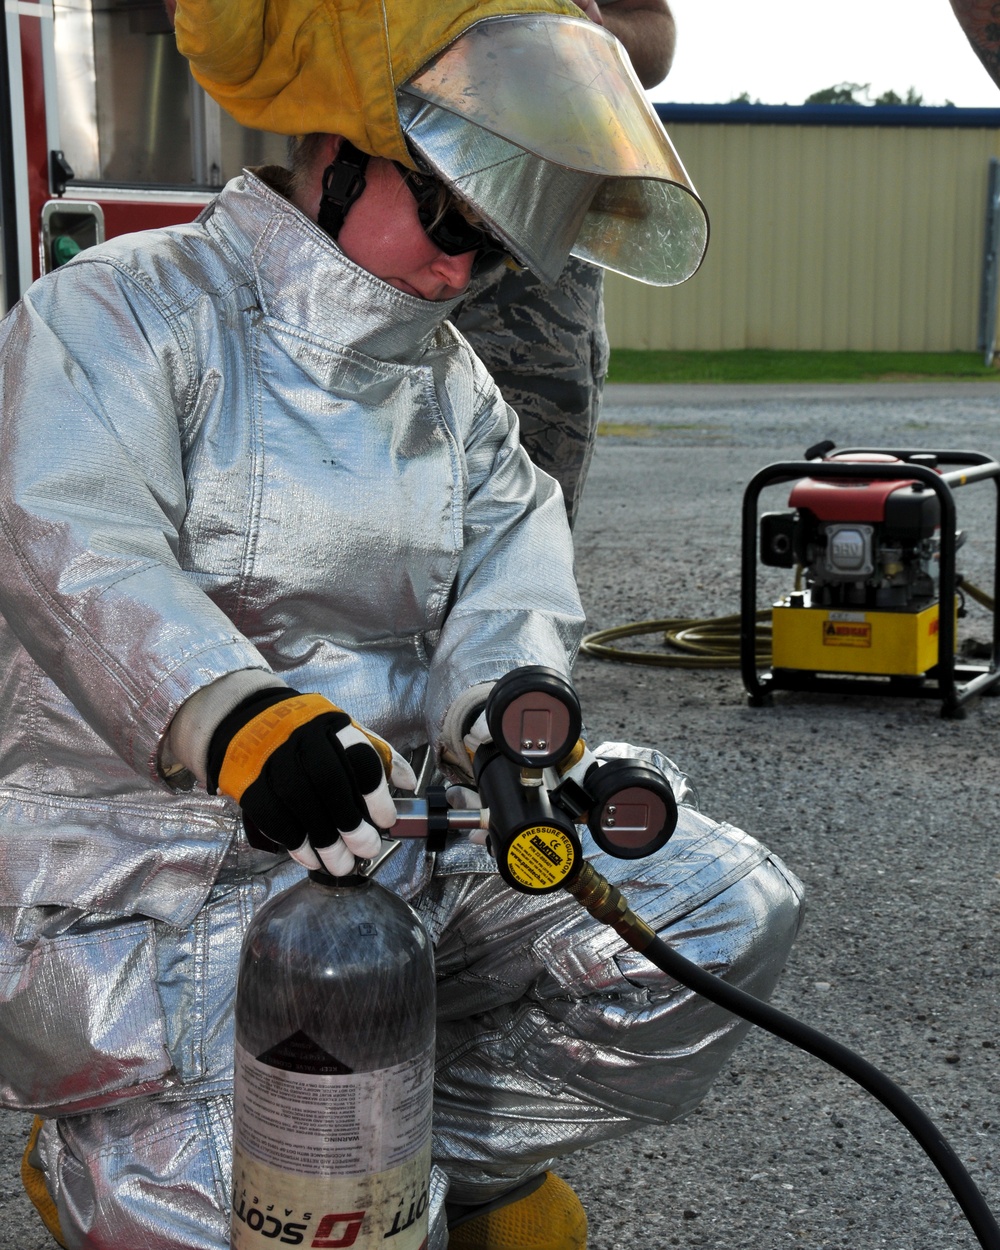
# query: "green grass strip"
{"type": "Point", "coordinates": [779, 366]}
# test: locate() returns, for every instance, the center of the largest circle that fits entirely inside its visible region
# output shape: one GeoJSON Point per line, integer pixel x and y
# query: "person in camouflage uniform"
{"type": "Point", "coordinates": [978, 18]}
{"type": "Point", "coordinates": [546, 346]}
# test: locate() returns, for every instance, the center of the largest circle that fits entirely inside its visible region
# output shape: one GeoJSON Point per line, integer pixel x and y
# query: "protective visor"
{"type": "Point", "coordinates": [564, 153]}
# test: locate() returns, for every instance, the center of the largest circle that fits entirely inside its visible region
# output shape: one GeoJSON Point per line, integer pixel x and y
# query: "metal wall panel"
{"type": "Point", "coordinates": [824, 237]}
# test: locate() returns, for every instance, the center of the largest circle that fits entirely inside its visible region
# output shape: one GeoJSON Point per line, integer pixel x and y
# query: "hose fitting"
{"type": "Point", "coordinates": [607, 904]}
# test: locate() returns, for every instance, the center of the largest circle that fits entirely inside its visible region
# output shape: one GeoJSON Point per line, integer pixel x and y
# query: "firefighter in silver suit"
{"type": "Point", "coordinates": [266, 529]}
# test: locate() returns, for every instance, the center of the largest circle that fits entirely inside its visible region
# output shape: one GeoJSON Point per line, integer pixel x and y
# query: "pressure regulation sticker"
{"type": "Point", "coordinates": [540, 858]}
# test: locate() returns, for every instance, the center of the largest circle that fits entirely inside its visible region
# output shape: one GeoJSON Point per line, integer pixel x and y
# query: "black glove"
{"type": "Point", "coordinates": [308, 779]}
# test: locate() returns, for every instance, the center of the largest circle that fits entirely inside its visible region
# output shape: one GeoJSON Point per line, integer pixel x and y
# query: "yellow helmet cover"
{"type": "Point", "coordinates": [331, 66]}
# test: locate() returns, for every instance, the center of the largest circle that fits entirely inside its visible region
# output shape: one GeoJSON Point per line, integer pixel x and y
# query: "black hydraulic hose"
{"type": "Point", "coordinates": [888, 1093]}
{"type": "Point", "coordinates": [498, 781]}
{"type": "Point", "coordinates": [606, 903]}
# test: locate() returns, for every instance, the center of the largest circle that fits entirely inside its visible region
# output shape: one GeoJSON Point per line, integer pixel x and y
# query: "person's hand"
{"type": "Point", "coordinates": [307, 778]}
{"type": "Point", "coordinates": [465, 799]}
{"type": "Point", "coordinates": [592, 10]}
{"type": "Point", "coordinates": [477, 734]}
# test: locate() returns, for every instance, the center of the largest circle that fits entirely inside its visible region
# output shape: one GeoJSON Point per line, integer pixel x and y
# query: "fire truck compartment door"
{"type": "Point", "coordinates": [68, 227]}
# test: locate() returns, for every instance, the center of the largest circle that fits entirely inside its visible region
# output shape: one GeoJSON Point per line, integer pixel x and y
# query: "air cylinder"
{"type": "Point", "coordinates": [334, 1071]}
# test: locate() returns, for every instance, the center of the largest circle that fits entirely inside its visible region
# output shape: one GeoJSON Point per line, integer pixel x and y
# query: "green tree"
{"type": "Point", "coordinates": [858, 93]}
{"type": "Point", "coordinates": [913, 97]}
{"type": "Point", "coordinates": [841, 93]}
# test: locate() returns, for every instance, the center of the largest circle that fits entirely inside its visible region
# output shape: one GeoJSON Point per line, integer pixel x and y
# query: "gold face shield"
{"type": "Point", "coordinates": [564, 153]}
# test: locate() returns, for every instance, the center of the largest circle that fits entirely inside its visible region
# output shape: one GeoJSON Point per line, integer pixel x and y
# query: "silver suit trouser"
{"type": "Point", "coordinates": [552, 1034]}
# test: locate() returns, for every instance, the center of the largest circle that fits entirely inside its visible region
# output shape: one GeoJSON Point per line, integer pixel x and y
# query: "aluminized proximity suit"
{"type": "Point", "coordinates": [226, 447]}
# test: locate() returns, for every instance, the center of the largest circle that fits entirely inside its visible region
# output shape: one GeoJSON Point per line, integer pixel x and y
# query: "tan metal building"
{"type": "Point", "coordinates": [833, 228]}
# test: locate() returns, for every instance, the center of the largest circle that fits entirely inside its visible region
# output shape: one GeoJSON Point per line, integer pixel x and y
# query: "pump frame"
{"type": "Point", "coordinates": [953, 682]}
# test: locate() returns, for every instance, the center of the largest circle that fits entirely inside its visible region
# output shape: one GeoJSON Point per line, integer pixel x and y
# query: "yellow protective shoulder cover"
{"type": "Point", "coordinates": [297, 66]}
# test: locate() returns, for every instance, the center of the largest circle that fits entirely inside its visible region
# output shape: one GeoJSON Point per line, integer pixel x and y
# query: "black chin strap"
{"type": "Point", "coordinates": [343, 182]}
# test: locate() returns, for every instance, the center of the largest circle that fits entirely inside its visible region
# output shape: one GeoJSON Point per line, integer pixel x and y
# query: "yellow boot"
{"type": "Point", "coordinates": [544, 1214]}
{"type": "Point", "coordinates": [33, 1180]}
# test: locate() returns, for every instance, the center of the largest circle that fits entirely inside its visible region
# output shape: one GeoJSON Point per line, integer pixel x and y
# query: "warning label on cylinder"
{"type": "Point", "coordinates": [337, 1125]}
{"type": "Point", "coordinates": [332, 1160]}
{"type": "Point", "coordinates": [540, 857]}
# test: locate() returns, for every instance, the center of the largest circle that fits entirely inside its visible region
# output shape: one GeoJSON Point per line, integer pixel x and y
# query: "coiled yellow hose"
{"type": "Point", "coordinates": [712, 642]}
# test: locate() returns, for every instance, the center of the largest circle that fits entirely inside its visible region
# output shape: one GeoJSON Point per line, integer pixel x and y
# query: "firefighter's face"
{"type": "Point", "coordinates": [382, 233]}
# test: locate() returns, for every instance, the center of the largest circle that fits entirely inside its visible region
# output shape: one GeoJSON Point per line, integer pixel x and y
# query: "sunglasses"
{"type": "Point", "coordinates": [447, 227]}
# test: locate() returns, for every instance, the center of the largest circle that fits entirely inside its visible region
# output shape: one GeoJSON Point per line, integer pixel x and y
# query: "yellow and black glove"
{"type": "Point", "coordinates": [308, 779]}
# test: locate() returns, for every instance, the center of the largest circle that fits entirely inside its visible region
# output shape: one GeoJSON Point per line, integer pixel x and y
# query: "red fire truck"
{"type": "Point", "coordinates": [102, 131]}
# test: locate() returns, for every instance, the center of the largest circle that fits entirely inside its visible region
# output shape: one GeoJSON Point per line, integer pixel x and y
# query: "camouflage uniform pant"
{"type": "Point", "coordinates": [548, 351]}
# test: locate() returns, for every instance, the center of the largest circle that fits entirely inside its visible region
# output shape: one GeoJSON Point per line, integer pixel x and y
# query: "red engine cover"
{"type": "Point", "coordinates": [848, 499]}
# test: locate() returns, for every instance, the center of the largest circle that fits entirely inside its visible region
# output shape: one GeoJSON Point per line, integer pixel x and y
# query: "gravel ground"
{"type": "Point", "coordinates": [885, 810]}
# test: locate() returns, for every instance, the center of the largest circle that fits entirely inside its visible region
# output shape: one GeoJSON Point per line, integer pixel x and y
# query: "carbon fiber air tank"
{"type": "Point", "coordinates": [334, 1071]}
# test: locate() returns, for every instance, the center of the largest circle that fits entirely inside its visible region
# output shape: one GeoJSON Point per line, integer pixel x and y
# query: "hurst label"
{"type": "Point", "coordinates": [849, 633]}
